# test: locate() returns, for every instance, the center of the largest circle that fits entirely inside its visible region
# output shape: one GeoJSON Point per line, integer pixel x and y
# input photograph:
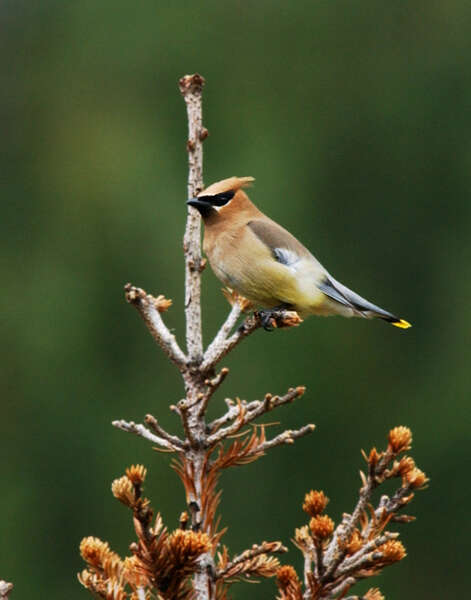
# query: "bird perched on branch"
{"type": "Point", "coordinates": [260, 260]}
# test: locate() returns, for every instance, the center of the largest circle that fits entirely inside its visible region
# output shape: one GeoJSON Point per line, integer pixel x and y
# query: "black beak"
{"type": "Point", "coordinates": [203, 207]}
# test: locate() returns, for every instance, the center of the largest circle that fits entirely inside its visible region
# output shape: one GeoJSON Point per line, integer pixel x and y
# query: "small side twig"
{"type": "Point", "coordinates": [287, 437]}
{"type": "Point", "coordinates": [146, 305]}
{"type": "Point", "coordinates": [223, 333]}
{"type": "Point", "coordinates": [363, 558]}
{"type": "Point", "coordinates": [183, 408]}
{"type": "Point", "coordinates": [341, 588]}
{"type": "Point", "coordinates": [232, 413]}
{"type": "Point", "coordinates": [256, 550]}
{"type": "Point", "coordinates": [251, 411]}
{"type": "Point", "coordinates": [160, 431]}
{"type": "Point", "coordinates": [140, 430]}
{"type": "Point", "coordinates": [223, 345]}
{"type": "Point", "coordinates": [212, 385]}
{"type": "Point", "coordinates": [215, 353]}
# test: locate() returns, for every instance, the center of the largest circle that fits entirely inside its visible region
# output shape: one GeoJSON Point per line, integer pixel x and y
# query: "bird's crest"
{"type": "Point", "coordinates": [225, 185]}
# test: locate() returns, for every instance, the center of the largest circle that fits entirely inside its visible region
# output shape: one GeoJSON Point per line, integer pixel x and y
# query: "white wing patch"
{"type": "Point", "coordinates": [286, 257]}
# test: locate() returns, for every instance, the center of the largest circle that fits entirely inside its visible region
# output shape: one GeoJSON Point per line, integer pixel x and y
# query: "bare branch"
{"type": "Point", "coordinates": [146, 305]}
{"type": "Point", "coordinates": [387, 506]}
{"type": "Point", "coordinates": [287, 437]}
{"type": "Point", "coordinates": [212, 385]}
{"type": "Point", "coordinates": [251, 411]}
{"type": "Point", "coordinates": [342, 588]}
{"type": "Point", "coordinates": [191, 87]}
{"type": "Point", "coordinates": [362, 558]}
{"type": "Point", "coordinates": [333, 555]}
{"type": "Point", "coordinates": [183, 409]}
{"type": "Point", "coordinates": [256, 550]}
{"type": "Point", "coordinates": [160, 431]}
{"type": "Point", "coordinates": [215, 353]}
{"type": "Point", "coordinates": [140, 430]}
{"type": "Point", "coordinates": [232, 413]}
{"type": "Point", "coordinates": [218, 342]}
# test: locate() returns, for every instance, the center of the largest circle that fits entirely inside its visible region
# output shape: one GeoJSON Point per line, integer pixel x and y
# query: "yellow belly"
{"type": "Point", "coordinates": [268, 284]}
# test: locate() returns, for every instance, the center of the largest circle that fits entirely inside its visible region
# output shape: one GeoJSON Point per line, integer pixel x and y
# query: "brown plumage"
{"type": "Point", "coordinates": [259, 259]}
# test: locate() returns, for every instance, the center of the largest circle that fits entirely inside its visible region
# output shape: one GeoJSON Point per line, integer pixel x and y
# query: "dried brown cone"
{"type": "Point", "coordinates": [315, 503]}
{"type": "Point", "coordinates": [185, 547]}
{"type": "Point", "coordinates": [302, 539]}
{"type": "Point", "coordinates": [415, 479]}
{"type": "Point", "coordinates": [392, 551]}
{"type": "Point", "coordinates": [321, 527]}
{"type": "Point", "coordinates": [405, 465]}
{"type": "Point", "coordinates": [288, 583]}
{"type": "Point", "coordinates": [400, 439]}
{"type": "Point", "coordinates": [123, 490]}
{"type": "Point", "coordinates": [165, 561]}
{"type": "Point", "coordinates": [95, 552]}
{"type": "Point", "coordinates": [137, 474]}
{"type": "Point", "coordinates": [105, 571]}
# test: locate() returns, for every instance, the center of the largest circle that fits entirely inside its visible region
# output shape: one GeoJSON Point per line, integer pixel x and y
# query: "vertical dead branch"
{"type": "Point", "coordinates": [191, 87]}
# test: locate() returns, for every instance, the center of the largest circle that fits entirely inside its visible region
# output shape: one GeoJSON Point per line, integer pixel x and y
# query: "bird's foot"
{"type": "Point", "coordinates": [269, 317]}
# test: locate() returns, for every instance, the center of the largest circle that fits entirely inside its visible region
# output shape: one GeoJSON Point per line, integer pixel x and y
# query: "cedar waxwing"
{"type": "Point", "coordinates": [260, 260]}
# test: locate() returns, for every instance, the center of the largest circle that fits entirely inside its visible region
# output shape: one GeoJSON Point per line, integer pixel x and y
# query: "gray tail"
{"type": "Point", "coordinates": [340, 293]}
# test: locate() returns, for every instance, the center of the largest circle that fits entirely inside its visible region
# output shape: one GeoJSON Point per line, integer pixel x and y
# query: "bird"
{"type": "Point", "coordinates": [257, 258]}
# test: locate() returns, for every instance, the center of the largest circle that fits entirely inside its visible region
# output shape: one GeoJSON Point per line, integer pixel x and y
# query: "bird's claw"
{"type": "Point", "coordinates": [266, 319]}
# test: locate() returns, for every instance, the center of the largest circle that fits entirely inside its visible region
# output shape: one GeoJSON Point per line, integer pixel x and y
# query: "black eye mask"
{"type": "Point", "coordinates": [218, 199]}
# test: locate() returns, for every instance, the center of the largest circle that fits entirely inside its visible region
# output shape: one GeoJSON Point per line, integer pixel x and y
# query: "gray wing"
{"type": "Point", "coordinates": [285, 248]}
{"type": "Point", "coordinates": [328, 288]}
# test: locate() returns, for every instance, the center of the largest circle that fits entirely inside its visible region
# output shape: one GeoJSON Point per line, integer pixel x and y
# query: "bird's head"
{"type": "Point", "coordinates": [222, 198]}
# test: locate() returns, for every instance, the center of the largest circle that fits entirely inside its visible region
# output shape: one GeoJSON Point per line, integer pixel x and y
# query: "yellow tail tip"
{"type": "Point", "coordinates": [402, 324]}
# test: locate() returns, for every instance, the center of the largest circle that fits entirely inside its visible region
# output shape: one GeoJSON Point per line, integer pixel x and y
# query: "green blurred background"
{"type": "Point", "coordinates": [355, 120]}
